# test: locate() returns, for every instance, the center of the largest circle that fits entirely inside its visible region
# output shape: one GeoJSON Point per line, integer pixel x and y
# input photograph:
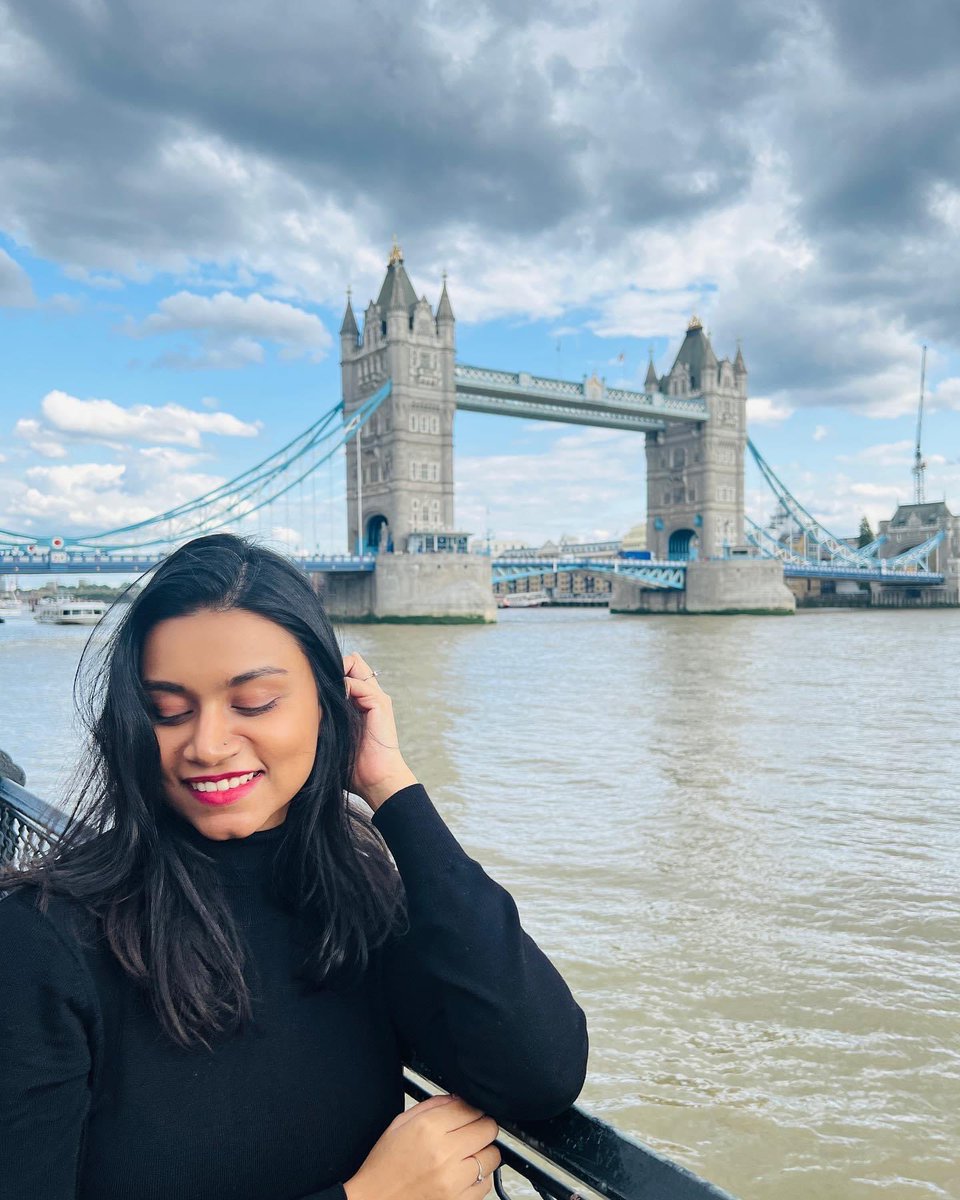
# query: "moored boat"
{"type": "Point", "coordinates": [10, 606]}
{"type": "Point", "coordinates": [70, 612]}
{"type": "Point", "coordinates": [523, 599]}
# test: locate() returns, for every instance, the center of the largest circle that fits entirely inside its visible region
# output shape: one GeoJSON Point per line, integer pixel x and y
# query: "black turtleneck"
{"type": "Point", "coordinates": [96, 1103]}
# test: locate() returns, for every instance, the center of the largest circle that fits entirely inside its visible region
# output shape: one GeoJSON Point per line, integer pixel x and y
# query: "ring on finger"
{"type": "Point", "coordinates": [480, 1175]}
{"type": "Point", "coordinates": [372, 675]}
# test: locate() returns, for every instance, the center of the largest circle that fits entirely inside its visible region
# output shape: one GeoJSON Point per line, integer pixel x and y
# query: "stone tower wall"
{"type": "Point", "coordinates": [695, 469]}
{"type": "Point", "coordinates": [407, 446]}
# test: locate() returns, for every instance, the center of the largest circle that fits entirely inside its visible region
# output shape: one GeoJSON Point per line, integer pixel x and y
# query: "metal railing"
{"type": "Point", "coordinates": [574, 1156]}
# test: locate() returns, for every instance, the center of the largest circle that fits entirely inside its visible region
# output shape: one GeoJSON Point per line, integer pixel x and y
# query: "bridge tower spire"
{"type": "Point", "coordinates": [407, 446]}
{"type": "Point", "coordinates": [695, 471]}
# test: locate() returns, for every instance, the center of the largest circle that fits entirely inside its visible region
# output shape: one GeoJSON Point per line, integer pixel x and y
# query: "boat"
{"type": "Point", "coordinates": [10, 606]}
{"type": "Point", "coordinates": [523, 599]}
{"type": "Point", "coordinates": [70, 612]}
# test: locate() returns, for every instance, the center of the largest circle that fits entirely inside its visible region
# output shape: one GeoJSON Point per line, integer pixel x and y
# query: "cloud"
{"type": "Point", "coordinates": [233, 328]}
{"type": "Point", "coordinates": [93, 476]}
{"type": "Point", "coordinates": [504, 144]}
{"type": "Point", "coordinates": [578, 482]}
{"type": "Point", "coordinates": [38, 438]}
{"type": "Point", "coordinates": [821, 432]}
{"type": "Point", "coordinates": [15, 288]}
{"type": "Point", "coordinates": [87, 497]}
{"type": "Point", "coordinates": [761, 410]}
{"type": "Point", "coordinates": [945, 396]}
{"type": "Point", "coordinates": [104, 421]}
{"type": "Point", "coordinates": [163, 458]}
{"type": "Point", "coordinates": [889, 454]}
{"type": "Point", "coordinates": [107, 283]}
{"type": "Point", "coordinates": [239, 352]}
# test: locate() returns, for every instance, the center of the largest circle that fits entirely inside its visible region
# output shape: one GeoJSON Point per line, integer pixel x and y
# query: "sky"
{"type": "Point", "coordinates": [188, 189]}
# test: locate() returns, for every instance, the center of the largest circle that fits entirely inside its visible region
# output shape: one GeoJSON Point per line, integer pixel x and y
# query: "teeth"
{"type": "Point", "coordinates": [222, 785]}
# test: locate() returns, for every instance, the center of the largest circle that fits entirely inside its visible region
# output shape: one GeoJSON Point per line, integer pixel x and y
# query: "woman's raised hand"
{"type": "Point", "coordinates": [436, 1150]}
{"type": "Point", "coordinates": [380, 768]}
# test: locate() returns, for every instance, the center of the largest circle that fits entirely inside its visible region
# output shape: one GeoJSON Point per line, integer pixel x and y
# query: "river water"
{"type": "Point", "coordinates": [739, 839]}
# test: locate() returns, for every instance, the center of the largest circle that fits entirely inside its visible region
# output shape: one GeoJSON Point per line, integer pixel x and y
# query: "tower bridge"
{"type": "Point", "coordinates": [693, 419]}
{"type": "Point", "coordinates": [401, 388]}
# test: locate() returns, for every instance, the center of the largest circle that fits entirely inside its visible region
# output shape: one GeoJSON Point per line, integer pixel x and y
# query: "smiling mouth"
{"type": "Point", "coordinates": [223, 791]}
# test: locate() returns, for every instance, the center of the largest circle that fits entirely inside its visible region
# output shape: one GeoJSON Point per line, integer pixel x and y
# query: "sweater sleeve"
{"type": "Point", "coordinates": [472, 995]}
{"type": "Point", "coordinates": [47, 1015]}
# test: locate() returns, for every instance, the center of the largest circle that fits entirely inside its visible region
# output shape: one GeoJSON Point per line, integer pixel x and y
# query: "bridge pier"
{"type": "Point", "coordinates": [722, 586]}
{"type": "Point", "coordinates": [415, 588]}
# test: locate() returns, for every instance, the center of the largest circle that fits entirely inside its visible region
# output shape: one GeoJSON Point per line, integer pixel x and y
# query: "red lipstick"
{"type": "Point", "coordinates": [220, 796]}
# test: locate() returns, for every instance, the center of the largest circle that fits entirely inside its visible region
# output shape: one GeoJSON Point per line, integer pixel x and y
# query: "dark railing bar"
{"type": "Point", "coordinates": [549, 1184]}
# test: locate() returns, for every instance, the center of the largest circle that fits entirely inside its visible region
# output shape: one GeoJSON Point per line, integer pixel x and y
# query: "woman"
{"type": "Point", "coordinates": [207, 991]}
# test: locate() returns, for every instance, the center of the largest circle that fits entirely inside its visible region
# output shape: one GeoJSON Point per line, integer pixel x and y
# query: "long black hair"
{"type": "Point", "coordinates": [156, 898]}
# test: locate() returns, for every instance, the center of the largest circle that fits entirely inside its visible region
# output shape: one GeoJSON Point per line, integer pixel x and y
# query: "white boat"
{"type": "Point", "coordinates": [70, 612]}
{"type": "Point", "coordinates": [523, 599]}
{"type": "Point", "coordinates": [10, 606]}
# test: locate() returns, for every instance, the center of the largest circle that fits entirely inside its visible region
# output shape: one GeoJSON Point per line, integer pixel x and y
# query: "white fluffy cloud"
{"type": "Point", "coordinates": [84, 497]}
{"type": "Point", "coordinates": [39, 438]}
{"type": "Point", "coordinates": [588, 483]}
{"type": "Point", "coordinates": [761, 410]}
{"type": "Point", "coordinates": [233, 327]}
{"type": "Point", "coordinates": [105, 421]}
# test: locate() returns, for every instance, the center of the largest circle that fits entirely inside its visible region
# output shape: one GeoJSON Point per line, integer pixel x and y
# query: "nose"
{"type": "Point", "coordinates": [211, 737]}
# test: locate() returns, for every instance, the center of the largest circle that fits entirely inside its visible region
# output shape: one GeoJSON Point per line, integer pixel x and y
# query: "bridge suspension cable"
{"type": "Point", "coordinates": [239, 499]}
{"type": "Point", "coordinates": [807, 522]}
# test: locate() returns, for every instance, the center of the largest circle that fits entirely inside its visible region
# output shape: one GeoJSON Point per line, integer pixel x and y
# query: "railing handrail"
{"type": "Point", "coordinates": [558, 1157]}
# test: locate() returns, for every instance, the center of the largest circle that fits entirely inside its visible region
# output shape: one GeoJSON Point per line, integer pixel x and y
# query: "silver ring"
{"type": "Point", "coordinates": [480, 1175]}
{"type": "Point", "coordinates": [372, 675]}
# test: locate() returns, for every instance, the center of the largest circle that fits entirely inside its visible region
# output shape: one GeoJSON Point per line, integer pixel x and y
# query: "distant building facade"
{"type": "Point", "coordinates": [913, 524]}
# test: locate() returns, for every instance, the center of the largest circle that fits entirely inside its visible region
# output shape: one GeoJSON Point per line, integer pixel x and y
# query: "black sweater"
{"type": "Point", "coordinates": [96, 1104]}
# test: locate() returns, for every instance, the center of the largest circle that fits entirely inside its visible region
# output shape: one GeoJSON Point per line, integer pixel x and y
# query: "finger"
{"type": "Point", "coordinates": [367, 697]}
{"type": "Point", "coordinates": [355, 667]}
{"type": "Point", "coordinates": [456, 1117]}
{"type": "Point", "coordinates": [474, 1136]}
{"type": "Point", "coordinates": [424, 1106]}
{"type": "Point", "coordinates": [479, 1167]}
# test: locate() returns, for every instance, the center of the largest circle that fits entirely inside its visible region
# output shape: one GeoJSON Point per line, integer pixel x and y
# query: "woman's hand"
{"type": "Point", "coordinates": [380, 769]}
{"type": "Point", "coordinates": [430, 1152]}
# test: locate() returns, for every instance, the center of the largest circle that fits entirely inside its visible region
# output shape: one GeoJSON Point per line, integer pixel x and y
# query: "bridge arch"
{"type": "Point", "coordinates": [682, 545]}
{"type": "Point", "coordinates": [377, 535]}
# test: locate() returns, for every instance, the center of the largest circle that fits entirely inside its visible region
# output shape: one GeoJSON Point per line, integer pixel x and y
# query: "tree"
{"type": "Point", "coordinates": [865, 536]}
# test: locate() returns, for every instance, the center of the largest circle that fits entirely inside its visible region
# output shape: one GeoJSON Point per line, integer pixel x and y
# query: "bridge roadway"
{"type": "Point", "coordinates": [591, 402]}
{"type": "Point", "coordinates": [76, 562]}
{"type": "Point", "coordinates": [672, 574]}
{"type": "Point", "coordinates": [669, 574]}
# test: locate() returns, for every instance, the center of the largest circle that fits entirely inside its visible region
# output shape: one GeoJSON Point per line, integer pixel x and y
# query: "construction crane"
{"type": "Point", "coordinates": [919, 466]}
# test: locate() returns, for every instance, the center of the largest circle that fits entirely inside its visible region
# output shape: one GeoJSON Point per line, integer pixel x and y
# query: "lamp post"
{"type": "Point", "coordinates": [359, 497]}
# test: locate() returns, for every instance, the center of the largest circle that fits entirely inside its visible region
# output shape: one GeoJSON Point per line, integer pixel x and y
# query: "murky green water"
{"type": "Point", "coordinates": [738, 837]}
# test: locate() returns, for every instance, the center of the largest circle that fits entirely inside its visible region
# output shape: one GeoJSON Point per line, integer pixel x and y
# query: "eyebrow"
{"type": "Point", "coordinates": [163, 685]}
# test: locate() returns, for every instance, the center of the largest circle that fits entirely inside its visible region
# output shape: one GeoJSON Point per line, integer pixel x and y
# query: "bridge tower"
{"type": "Point", "coordinates": [695, 470]}
{"type": "Point", "coordinates": [407, 446]}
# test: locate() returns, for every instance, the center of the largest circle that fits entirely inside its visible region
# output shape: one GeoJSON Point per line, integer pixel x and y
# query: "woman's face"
{"type": "Point", "coordinates": [236, 714]}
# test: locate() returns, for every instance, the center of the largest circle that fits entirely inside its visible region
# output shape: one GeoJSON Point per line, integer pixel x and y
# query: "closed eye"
{"type": "Point", "coordinates": [252, 712]}
{"type": "Point", "coordinates": [176, 718]}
